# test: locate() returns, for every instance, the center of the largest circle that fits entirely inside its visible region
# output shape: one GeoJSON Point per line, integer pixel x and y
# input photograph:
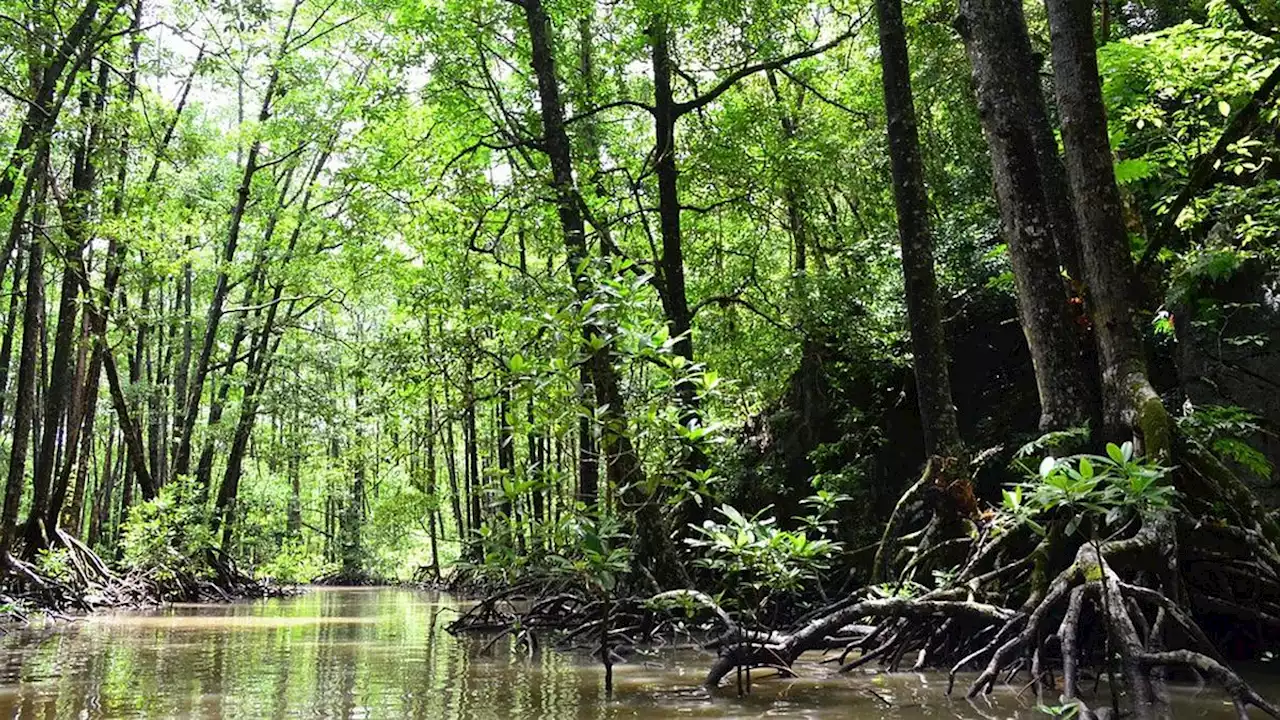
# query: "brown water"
{"type": "Point", "coordinates": [383, 653]}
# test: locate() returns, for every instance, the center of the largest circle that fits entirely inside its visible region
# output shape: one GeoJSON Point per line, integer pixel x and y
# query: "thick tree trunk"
{"type": "Point", "coordinates": [924, 311]}
{"type": "Point", "coordinates": [1129, 401]}
{"type": "Point", "coordinates": [1057, 191]}
{"type": "Point", "coordinates": [999, 50]}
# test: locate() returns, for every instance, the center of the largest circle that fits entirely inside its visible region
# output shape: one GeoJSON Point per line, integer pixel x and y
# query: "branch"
{"type": "Point", "coordinates": [609, 106]}
{"type": "Point", "coordinates": [1249, 21]}
{"type": "Point", "coordinates": [1207, 165]}
{"type": "Point", "coordinates": [708, 97]}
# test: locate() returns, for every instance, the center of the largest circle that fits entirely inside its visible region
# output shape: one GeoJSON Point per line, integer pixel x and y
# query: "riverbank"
{"type": "Point", "coordinates": [77, 582]}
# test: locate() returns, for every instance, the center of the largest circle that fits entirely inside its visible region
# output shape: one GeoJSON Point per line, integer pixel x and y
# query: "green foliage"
{"type": "Point", "coordinates": [55, 563]}
{"type": "Point", "coordinates": [1060, 712]}
{"type": "Point", "coordinates": [752, 554]}
{"type": "Point", "coordinates": [1227, 431]}
{"type": "Point", "coordinates": [1113, 488]}
{"type": "Point", "coordinates": [295, 563]}
{"type": "Point", "coordinates": [169, 537]}
{"type": "Point", "coordinates": [1057, 440]}
{"type": "Point", "coordinates": [602, 557]}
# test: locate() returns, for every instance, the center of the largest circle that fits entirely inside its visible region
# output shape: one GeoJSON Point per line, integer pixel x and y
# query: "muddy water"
{"type": "Point", "coordinates": [383, 653]}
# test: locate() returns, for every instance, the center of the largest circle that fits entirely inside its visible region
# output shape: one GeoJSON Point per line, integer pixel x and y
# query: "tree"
{"type": "Point", "coordinates": [924, 309]}
{"type": "Point", "coordinates": [1008, 96]}
{"type": "Point", "coordinates": [1130, 404]}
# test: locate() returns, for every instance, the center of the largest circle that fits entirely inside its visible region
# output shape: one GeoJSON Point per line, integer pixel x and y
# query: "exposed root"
{"type": "Point", "coordinates": [1084, 608]}
{"type": "Point", "coordinates": [85, 582]}
{"type": "Point", "coordinates": [1166, 591]}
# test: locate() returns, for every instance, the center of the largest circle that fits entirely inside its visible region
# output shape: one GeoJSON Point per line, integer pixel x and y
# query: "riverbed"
{"type": "Point", "coordinates": [384, 653]}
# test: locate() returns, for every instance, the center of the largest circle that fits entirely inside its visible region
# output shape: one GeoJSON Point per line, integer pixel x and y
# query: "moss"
{"type": "Point", "coordinates": [1092, 572]}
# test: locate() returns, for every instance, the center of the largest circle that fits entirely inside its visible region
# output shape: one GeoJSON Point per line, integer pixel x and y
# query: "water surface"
{"type": "Point", "coordinates": [384, 653]}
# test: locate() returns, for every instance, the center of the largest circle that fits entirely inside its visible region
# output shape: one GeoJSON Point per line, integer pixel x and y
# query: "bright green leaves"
{"type": "Point", "coordinates": [1109, 488]}
{"type": "Point", "coordinates": [602, 556]}
{"type": "Point", "coordinates": [755, 554]}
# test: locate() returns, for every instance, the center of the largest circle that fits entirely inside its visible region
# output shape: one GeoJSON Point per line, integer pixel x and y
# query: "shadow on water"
{"type": "Point", "coordinates": [383, 653]}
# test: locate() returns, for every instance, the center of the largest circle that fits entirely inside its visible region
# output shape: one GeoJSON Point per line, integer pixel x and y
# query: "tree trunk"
{"type": "Point", "coordinates": [674, 296]}
{"type": "Point", "coordinates": [24, 403]}
{"type": "Point", "coordinates": [623, 464]}
{"type": "Point", "coordinates": [11, 323]}
{"type": "Point", "coordinates": [42, 112]}
{"type": "Point", "coordinates": [433, 489]}
{"type": "Point", "coordinates": [924, 311]}
{"type": "Point", "coordinates": [100, 510]}
{"type": "Point", "coordinates": [1004, 76]}
{"type": "Point", "coordinates": [1129, 402]}
{"type": "Point", "coordinates": [293, 528]}
{"type": "Point", "coordinates": [182, 460]}
{"type": "Point", "coordinates": [57, 398]}
{"type": "Point", "coordinates": [451, 467]}
{"type": "Point", "coordinates": [75, 215]}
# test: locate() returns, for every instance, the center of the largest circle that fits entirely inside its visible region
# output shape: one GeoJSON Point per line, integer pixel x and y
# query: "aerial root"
{"type": "Point", "coordinates": [1242, 695]}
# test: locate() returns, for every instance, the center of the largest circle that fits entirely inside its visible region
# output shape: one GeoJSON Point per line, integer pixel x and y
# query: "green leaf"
{"type": "Point", "coordinates": [1132, 170]}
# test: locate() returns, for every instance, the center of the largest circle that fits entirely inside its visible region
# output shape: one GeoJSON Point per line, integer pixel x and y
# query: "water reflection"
{"type": "Point", "coordinates": [383, 653]}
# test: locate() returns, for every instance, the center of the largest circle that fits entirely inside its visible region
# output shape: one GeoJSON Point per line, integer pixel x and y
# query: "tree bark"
{"type": "Point", "coordinates": [623, 464]}
{"type": "Point", "coordinates": [24, 403]}
{"type": "Point", "coordinates": [1129, 402]}
{"type": "Point", "coordinates": [11, 323]}
{"type": "Point", "coordinates": [924, 310]}
{"type": "Point", "coordinates": [67, 385]}
{"type": "Point", "coordinates": [1004, 76]}
{"type": "Point", "coordinates": [182, 461]}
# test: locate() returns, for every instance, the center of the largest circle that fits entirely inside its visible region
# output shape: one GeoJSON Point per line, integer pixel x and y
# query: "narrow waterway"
{"type": "Point", "coordinates": [384, 653]}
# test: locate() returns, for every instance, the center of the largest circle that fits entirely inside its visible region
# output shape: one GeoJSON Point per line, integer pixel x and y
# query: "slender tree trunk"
{"type": "Point", "coordinates": [433, 490]}
{"type": "Point", "coordinates": [262, 354]}
{"type": "Point", "coordinates": [471, 450]}
{"type": "Point", "coordinates": [11, 323]}
{"type": "Point", "coordinates": [75, 217]}
{"type": "Point", "coordinates": [184, 360]}
{"type": "Point", "coordinates": [294, 439]}
{"type": "Point", "coordinates": [182, 461]}
{"type": "Point", "coordinates": [999, 48]}
{"type": "Point", "coordinates": [924, 310]}
{"type": "Point", "coordinates": [537, 465]}
{"type": "Point", "coordinates": [666, 114]}
{"type": "Point", "coordinates": [42, 112]}
{"type": "Point", "coordinates": [57, 397]}
{"type": "Point", "coordinates": [100, 511]}
{"type": "Point", "coordinates": [24, 403]}
{"type": "Point", "coordinates": [1129, 401]}
{"type": "Point", "coordinates": [451, 467]}
{"type": "Point", "coordinates": [623, 464]}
